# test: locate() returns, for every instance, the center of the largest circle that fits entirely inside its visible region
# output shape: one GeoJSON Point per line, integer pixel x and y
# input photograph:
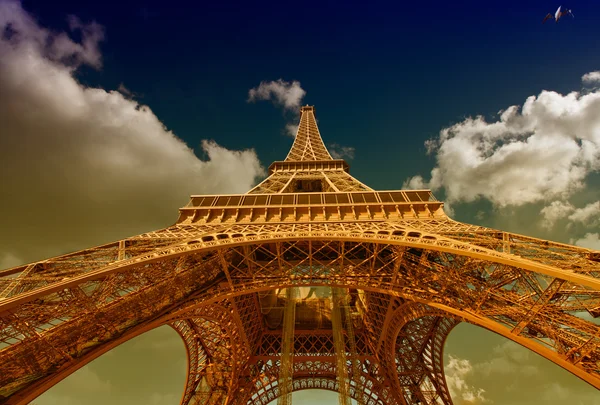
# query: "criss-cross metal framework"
{"type": "Point", "coordinates": [402, 274]}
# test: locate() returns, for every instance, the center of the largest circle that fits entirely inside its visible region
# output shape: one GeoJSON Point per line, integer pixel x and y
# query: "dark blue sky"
{"type": "Point", "coordinates": [384, 76]}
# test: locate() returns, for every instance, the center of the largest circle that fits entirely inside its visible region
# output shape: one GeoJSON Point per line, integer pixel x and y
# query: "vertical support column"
{"type": "Point", "coordinates": [286, 371]}
{"type": "Point", "coordinates": [340, 346]}
{"type": "Point", "coordinates": [354, 360]}
{"type": "Point", "coordinates": [121, 254]}
{"type": "Point", "coordinates": [506, 242]}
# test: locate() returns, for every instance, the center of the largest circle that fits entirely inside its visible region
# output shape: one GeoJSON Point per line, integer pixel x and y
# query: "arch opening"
{"type": "Point", "coordinates": [482, 366]}
{"type": "Point", "coordinates": [314, 396]}
{"type": "Point", "coordinates": [306, 274]}
{"type": "Point", "coordinates": [147, 369]}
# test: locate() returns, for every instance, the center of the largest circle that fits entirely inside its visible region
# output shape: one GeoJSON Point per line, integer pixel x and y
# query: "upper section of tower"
{"type": "Point", "coordinates": [308, 167]}
{"type": "Point", "coordinates": [310, 186]}
{"type": "Point", "coordinates": [308, 144]}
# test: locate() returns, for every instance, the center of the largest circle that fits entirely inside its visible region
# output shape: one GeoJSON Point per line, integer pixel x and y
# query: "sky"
{"type": "Point", "coordinates": [112, 114]}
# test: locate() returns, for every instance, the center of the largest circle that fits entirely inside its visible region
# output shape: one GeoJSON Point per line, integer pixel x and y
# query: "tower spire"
{"type": "Point", "coordinates": [309, 167]}
{"type": "Point", "coordinates": [308, 144]}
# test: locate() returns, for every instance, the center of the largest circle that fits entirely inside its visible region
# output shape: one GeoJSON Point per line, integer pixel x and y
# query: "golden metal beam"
{"type": "Point", "coordinates": [286, 371]}
{"type": "Point", "coordinates": [415, 272]}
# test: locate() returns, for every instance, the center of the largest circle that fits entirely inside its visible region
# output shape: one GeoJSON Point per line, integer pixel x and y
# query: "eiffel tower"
{"type": "Point", "coordinates": [310, 280]}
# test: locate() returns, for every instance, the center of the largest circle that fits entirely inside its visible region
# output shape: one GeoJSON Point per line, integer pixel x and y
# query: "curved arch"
{"type": "Point", "coordinates": [414, 347]}
{"type": "Point", "coordinates": [42, 386]}
{"type": "Point", "coordinates": [356, 275]}
{"type": "Point", "coordinates": [310, 383]}
{"type": "Point", "coordinates": [313, 375]}
{"type": "Point", "coordinates": [464, 315]}
{"type": "Point", "coordinates": [196, 353]}
{"type": "Point", "coordinates": [209, 312]}
{"type": "Point", "coordinates": [210, 342]}
{"type": "Point", "coordinates": [405, 238]}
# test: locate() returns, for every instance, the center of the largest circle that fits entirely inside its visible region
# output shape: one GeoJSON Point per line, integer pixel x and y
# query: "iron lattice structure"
{"type": "Point", "coordinates": [402, 273]}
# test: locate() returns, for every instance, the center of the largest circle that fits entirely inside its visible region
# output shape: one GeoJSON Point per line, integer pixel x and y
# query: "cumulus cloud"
{"type": "Point", "coordinates": [543, 151]}
{"type": "Point", "coordinates": [21, 30]}
{"type": "Point", "coordinates": [81, 165]}
{"type": "Point", "coordinates": [588, 216]}
{"type": "Point", "coordinates": [291, 129]}
{"type": "Point", "coordinates": [415, 183]}
{"type": "Point", "coordinates": [341, 152]}
{"type": "Point", "coordinates": [287, 94]}
{"type": "Point", "coordinates": [555, 211]}
{"type": "Point", "coordinates": [590, 241]}
{"type": "Point", "coordinates": [591, 78]}
{"type": "Point", "coordinates": [457, 371]}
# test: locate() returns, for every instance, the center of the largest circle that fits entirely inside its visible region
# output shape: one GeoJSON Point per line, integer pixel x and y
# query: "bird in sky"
{"type": "Point", "coordinates": [558, 14]}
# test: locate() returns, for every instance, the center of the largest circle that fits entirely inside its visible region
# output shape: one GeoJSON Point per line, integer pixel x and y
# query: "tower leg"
{"type": "Point", "coordinates": [215, 353]}
{"type": "Point", "coordinates": [414, 354]}
{"type": "Point", "coordinates": [286, 371]}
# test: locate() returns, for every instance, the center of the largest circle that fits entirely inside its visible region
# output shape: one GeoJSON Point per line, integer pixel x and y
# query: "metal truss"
{"type": "Point", "coordinates": [308, 145]}
{"type": "Point", "coordinates": [286, 350]}
{"type": "Point", "coordinates": [339, 342]}
{"type": "Point", "coordinates": [411, 274]}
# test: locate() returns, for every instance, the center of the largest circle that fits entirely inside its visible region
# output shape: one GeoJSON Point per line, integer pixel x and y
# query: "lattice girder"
{"type": "Point", "coordinates": [308, 144]}
{"type": "Point", "coordinates": [308, 343]}
{"type": "Point", "coordinates": [18, 280]}
{"type": "Point", "coordinates": [414, 273]}
{"type": "Point", "coordinates": [577, 260]}
{"type": "Point", "coordinates": [488, 293]}
{"type": "Point", "coordinates": [215, 350]}
{"type": "Point", "coordinates": [315, 373]}
{"type": "Point", "coordinates": [414, 345]}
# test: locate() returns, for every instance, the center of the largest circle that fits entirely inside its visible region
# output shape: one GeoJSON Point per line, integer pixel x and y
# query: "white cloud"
{"type": "Point", "coordinates": [291, 129]}
{"type": "Point", "coordinates": [542, 152]}
{"type": "Point", "coordinates": [590, 241]}
{"type": "Point", "coordinates": [287, 94]}
{"type": "Point", "coordinates": [415, 183]}
{"type": "Point", "coordinates": [555, 211]}
{"type": "Point", "coordinates": [587, 215]}
{"type": "Point", "coordinates": [21, 30]}
{"type": "Point", "coordinates": [81, 165]}
{"type": "Point", "coordinates": [341, 152]}
{"type": "Point", "coordinates": [591, 78]}
{"type": "Point", "coordinates": [457, 372]}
